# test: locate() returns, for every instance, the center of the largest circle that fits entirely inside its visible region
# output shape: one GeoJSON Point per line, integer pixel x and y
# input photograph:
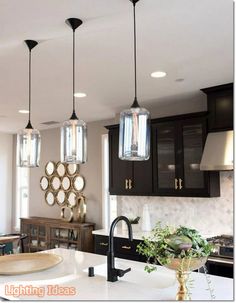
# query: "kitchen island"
{"type": "Point", "coordinates": [69, 281]}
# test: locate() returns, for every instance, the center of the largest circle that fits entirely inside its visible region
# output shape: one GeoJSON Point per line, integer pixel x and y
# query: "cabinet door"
{"type": "Point", "coordinates": [121, 172]}
{"type": "Point", "coordinates": [192, 136]}
{"type": "Point", "coordinates": [142, 183]}
{"type": "Point", "coordinates": [165, 166]}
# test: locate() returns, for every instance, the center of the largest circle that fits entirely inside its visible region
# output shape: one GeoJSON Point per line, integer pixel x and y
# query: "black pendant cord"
{"type": "Point", "coordinates": [31, 44]}
{"type": "Point", "coordinates": [74, 116]}
{"type": "Point", "coordinates": [135, 103]}
{"type": "Point", "coordinates": [74, 23]}
{"type": "Point", "coordinates": [29, 123]}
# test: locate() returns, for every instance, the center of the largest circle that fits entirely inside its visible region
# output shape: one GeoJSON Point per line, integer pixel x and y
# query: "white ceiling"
{"type": "Point", "coordinates": [188, 39]}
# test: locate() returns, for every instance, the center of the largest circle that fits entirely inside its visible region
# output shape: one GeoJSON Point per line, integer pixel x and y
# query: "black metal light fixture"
{"type": "Point", "coordinates": [134, 136]}
{"type": "Point", "coordinates": [74, 130]}
{"type": "Point", "coordinates": [28, 139]}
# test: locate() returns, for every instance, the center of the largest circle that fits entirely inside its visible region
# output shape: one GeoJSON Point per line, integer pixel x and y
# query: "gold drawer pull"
{"type": "Point", "coordinates": [126, 247]}
{"type": "Point", "coordinates": [126, 184]}
{"type": "Point", "coordinates": [130, 184]}
{"type": "Point", "coordinates": [103, 244]}
{"type": "Point", "coordinates": [176, 183]}
{"type": "Point", "coordinates": [180, 183]}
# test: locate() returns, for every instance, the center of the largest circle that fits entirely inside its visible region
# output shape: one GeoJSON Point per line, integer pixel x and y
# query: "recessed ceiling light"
{"type": "Point", "coordinates": [158, 74]}
{"type": "Point", "coordinates": [23, 111]}
{"type": "Point", "coordinates": [80, 95]}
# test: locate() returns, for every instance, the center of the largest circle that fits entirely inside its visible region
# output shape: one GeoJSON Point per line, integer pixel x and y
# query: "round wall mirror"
{"type": "Point", "coordinates": [78, 183]}
{"type": "Point", "coordinates": [55, 183]}
{"type": "Point", "coordinates": [61, 197]}
{"type": "Point", "coordinates": [72, 199]}
{"type": "Point", "coordinates": [44, 183]}
{"type": "Point", "coordinates": [50, 167]}
{"type": "Point", "coordinates": [61, 169]}
{"type": "Point", "coordinates": [66, 213]}
{"type": "Point", "coordinates": [66, 183]}
{"type": "Point", "coordinates": [49, 198]}
{"type": "Point", "coordinates": [72, 169]}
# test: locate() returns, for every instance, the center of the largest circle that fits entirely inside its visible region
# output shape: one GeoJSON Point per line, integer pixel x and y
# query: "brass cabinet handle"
{"type": "Point", "coordinates": [180, 183]}
{"type": "Point", "coordinates": [130, 184]}
{"type": "Point", "coordinates": [103, 244]}
{"type": "Point", "coordinates": [176, 183]}
{"type": "Point", "coordinates": [126, 184]}
{"type": "Point", "coordinates": [126, 247]}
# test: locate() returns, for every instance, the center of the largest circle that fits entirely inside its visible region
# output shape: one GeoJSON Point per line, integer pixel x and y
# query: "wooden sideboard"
{"type": "Point", "coordinates": [48, 233]}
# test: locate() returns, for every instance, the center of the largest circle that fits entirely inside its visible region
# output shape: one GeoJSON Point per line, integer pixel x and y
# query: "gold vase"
{"type": "Point", "coordinates": [183, 268]}
{"type": "Point", "coordinates": [80, 209]}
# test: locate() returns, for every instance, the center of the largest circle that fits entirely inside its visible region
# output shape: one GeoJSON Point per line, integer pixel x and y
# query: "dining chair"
{"type": "Point", "coordinates": [2, 249]}
{"type": "Point", "coordinates": [20, 242]}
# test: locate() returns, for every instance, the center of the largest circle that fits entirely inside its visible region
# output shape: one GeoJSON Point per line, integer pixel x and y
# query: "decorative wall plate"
{"type": "Point", "coordinates": [61, 169]}
{"type": "Point", "coordinates": [49, 198]}
{"type": "Point", "coordinates": [44, 183]}
{"type": "Point", "coordinates": [72, 169]}
{"type": "Point", "coordinates": [78, 183]}
{"type": "Point", "coordinates": [63, 185]}
{"type": "Point", "coordinates": [55, 183]}
{"type": "Point", "coordinates": [50, 168]}
{"type": "Point", "coordinates": [61, 197]}
{"type": "Point", "coordinates": [66, 183]}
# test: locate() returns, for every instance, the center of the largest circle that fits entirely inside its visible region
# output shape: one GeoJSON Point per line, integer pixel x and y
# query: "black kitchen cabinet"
{"type": "Point", "coordinates": [220, 268]}
{"type": "Point", "coordinates": [127, 177]}
{"type": "Point", "coordinates": [220, 107]}
{"type": "Point", "coordinates": [174, 166]}
{"type": "Point", "coordinates": [178, 144]}
{"type": "Point", "coordinates": [123, 248]}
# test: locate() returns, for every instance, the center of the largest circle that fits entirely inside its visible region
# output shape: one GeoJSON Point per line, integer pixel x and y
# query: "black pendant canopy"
{"type": "Point", "coordinates": [74, 23]}
{"type": "Point", "coordinates": [31, 44]}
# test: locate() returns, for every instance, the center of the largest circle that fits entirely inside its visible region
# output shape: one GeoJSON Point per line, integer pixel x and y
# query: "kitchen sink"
{"type": "Point", "coordinates": [161, 278]}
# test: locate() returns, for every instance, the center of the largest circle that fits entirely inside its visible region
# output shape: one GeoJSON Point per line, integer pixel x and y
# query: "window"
{"type": "Point", "coordinates": [22, 195]}
{"type": "Point", "coordinates": [109, 211]}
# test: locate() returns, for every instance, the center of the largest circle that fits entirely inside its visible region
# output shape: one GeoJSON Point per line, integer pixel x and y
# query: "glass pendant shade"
{"type": "Point", "coordinates": [134, 137]}
{"type": "Point", "coordinates": [28, 145]}
{"type": "Point", "coordinates": [74, 141]}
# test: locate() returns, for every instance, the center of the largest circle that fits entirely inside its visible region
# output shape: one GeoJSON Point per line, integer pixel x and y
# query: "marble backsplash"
{"type": "Point", "coordinates": [211, 216]}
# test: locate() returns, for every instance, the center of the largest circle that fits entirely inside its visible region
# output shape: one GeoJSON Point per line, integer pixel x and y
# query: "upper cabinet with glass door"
{"type": "Point", "coordinates": [164, 158]}
{"type": "Point", "coordinates": [178, 147]}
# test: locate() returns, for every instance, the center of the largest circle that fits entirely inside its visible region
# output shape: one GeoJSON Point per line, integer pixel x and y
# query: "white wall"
{"type": "Point", "coordinates": [6, 160]}
{"type": "Point", "coordinates": [92, 172]}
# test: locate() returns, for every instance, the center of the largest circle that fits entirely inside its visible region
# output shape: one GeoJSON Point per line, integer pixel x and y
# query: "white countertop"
{"type": "Point", "coordinates": [135, 285]}
{"type": "Point", "coordinates": [137, 235]}
{"type": "Point", "coordinates": [121, 233]}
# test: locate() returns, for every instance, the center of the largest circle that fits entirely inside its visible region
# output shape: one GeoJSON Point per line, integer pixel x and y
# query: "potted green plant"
{"type": "Point", "coordinates": [182, 249]}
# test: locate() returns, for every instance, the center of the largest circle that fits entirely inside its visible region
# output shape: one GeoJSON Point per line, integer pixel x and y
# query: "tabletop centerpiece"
{"type": "Point", "coordinates": [181, 249]}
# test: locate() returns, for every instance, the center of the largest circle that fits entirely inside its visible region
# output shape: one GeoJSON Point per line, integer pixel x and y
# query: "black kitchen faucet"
{"type": "Point", "coordinates": [112, 272]}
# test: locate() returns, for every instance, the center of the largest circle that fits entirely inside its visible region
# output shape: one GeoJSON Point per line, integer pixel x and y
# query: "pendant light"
{"type": "Point", "coordinates": [74, 131]}
{"type": "Point", "coordinates": [134, 136]}
{"type": "Point", "coordinates": [28, 139]}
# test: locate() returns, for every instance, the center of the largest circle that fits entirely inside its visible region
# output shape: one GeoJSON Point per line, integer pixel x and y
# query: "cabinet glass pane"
{"type": "Point", "coordinates": [193, 147]}
{"type": "Point", "coordinates": [166, 156]}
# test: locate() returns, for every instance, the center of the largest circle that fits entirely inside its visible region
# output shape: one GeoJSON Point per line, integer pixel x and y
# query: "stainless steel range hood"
{"type": "Point", "coordinates": [218, 151]}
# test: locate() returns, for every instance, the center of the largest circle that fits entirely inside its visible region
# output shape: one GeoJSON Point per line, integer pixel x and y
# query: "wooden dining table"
{"type": "Point", "coordinates": [8, 239]}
